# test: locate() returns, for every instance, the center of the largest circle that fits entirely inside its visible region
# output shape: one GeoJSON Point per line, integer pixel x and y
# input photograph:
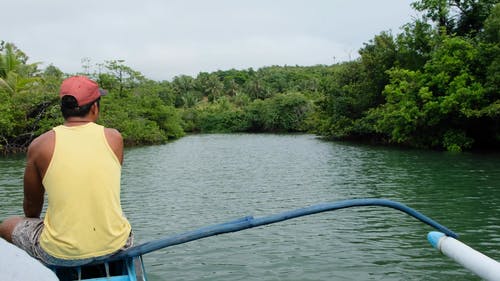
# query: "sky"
{"type": "Point", "coordinates": [166, 38]}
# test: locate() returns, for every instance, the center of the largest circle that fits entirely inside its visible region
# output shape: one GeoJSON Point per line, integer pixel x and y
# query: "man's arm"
{"type": "Point", "coordinates": [33, 187]}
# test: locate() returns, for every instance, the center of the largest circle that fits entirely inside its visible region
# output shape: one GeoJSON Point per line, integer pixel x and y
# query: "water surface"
{"type": "Point", "coordinates": [207, 179]}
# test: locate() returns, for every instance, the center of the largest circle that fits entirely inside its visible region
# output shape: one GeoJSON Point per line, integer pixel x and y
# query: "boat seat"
{"type": "Point", "coordinates": [129, 269]}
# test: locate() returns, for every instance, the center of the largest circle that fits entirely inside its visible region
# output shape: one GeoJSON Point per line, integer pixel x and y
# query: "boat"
{"type": "Point", "coordinates": [16, 264]}
{"type": "Point", "coordinates": [128, 265]}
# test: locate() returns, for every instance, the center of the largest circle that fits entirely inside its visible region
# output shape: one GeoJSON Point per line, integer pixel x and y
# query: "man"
{"type": "Point", "coordinates": [78, 164]}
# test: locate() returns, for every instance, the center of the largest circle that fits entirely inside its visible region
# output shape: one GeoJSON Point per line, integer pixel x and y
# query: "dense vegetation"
{"type": "Point", "coordinates": [434, 85]}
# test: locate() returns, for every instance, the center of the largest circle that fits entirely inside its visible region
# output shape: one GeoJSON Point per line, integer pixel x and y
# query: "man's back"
{"type": "Point", "coordinates": [84, 216]}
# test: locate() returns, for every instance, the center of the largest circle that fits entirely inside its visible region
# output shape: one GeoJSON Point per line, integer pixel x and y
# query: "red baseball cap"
{"type": "Point", "coordinates": [82, 88]}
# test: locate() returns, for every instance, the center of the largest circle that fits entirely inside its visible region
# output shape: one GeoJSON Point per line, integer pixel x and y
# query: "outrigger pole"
{"type": "Point", "coordinates": [482, 265]}
{"type": "Point", "coordinates": [250, 222]}
{"type": "Point", "coordinates": [444, 240]}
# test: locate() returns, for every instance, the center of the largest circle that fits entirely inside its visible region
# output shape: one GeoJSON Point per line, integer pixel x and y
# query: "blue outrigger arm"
{"type": "Point", "coordinates": [130, 260]}
{"type": "Point", "coordinates": [250, 222]}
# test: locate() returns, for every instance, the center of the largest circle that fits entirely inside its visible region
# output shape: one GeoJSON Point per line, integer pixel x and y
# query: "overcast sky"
{"type": "Point", "coordinates": [163, 39]}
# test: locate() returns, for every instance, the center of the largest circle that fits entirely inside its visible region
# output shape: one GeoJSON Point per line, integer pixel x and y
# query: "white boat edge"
{"type": "Point", "coordinates": [16, 264]}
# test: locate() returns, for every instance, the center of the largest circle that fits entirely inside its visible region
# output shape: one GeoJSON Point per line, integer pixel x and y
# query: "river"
{"type": "Point", "coordinates": [201, 180]}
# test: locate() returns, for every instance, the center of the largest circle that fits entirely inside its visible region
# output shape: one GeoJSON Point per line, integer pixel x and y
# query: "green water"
{"type": "Point", "coordinates": [206, 179]}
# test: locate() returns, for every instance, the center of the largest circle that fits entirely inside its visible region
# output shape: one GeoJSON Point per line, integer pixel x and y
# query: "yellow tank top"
{"type": "Point", "coordinates": [84, 217]}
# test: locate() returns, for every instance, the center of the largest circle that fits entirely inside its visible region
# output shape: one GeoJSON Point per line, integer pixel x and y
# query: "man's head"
{"type": "Point", "coordinates": [78, 95]}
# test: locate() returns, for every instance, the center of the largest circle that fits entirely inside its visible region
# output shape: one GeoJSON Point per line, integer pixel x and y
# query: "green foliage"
{"type": "Point", "coordinates": [7, 115]}
{"type": "Point", "coordinates": [189, 119]}
{"type": "Point", "coordinates": [427, 88]}
{"type": "Point", "coordinates": [142, 118]}
{"type": "Point", "coordinates": [119, 77]}
{"type": "Point", "coordinates": [439, 106]}
{"type": "Point", "coordinates": [348, 94]}
{"type": "Point", "coordinates": [291, 110]}
{"type": "Point", "coordinates": [378, 56]}
{"type": "Point", "coordinates": [435, 85]}
{"type": "Point", "coordinates": [141, 109]}
{"type": "Point", "coordinates": [462, 18]}
{"type": "Point", "coordinates": [282, 113]}
{"type": "Point", "coordinates": [415, 45]}
{"type": "Point", "coordinates": [24, 99]}
{"type": "Point", "coordinates": [492, 25]}
{"type": "Point", "coordinates": [184, 91]}
{"type": "Point", "coordinates": [149, 112]}
{"type": "Point", "coordinates": [209, 86]}
{"type": "Point", "coordinates": [400, 117]}
{"type": "Point", "coordinates": [220, 117]}
{"type": "Point", "coordinates": [456, 140]}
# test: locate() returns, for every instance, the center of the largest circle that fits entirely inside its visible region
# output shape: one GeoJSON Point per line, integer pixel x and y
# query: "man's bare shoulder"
{"type": "Point", "coordinates": [40, 151]}
{"type": "Point", "coordinates": [44, 141]}
{"type": "Point", "coordinates": [115, 141]}
{"type": "Point", "coordinates": [113, 134]}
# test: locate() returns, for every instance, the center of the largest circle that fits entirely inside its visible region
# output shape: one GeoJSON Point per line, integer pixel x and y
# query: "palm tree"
{"type": "Point", "coordinates": [15, 74]}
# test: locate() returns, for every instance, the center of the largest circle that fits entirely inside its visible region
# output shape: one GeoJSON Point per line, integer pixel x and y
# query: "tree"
{"type": "Point", "coordinates": [378, 56]}
{"type": "Point", "coordinates": [347, 96]}
{"type": "Point", "coordinates": [492, 26]}
{"type": "Point", "coordinates": [181, 86]}
{"type": "Point", "coordinates": [209, 85]}
{"type": "Point", "coordinates": [287, 112]}
{"type": "Point", "coordinates": [472, 16]}
{"type": "Point", "coordinates": [437, 11]}
{"type": "Point", "coordinates": [23, 98]}
{"type": "Point", "coordinates": [442, 105]}
{"type": "Point", "coordinates": [119, 77]}
{"type": "Point", "coordinates": [415, 45]}
{"type": "Point", "coordinates": [15, 74]}
{"type": "Point", "coordinates": [460, 17]}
